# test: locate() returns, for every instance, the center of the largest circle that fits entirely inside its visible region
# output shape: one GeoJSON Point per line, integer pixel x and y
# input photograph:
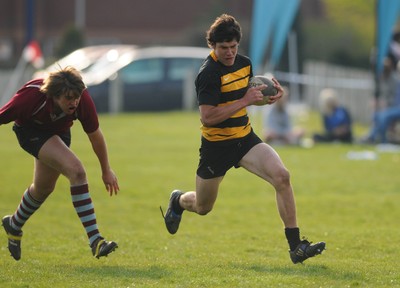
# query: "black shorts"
{"type": "Point", "coordinates": [216, 158]}
{"type": "Point", "coordinates": [31, 139]}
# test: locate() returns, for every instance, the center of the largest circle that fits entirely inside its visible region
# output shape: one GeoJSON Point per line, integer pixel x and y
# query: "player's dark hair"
{"type": "Point", "coordinates": [224, 29]}
{"type": "Point", "coordinates": [67, 81]}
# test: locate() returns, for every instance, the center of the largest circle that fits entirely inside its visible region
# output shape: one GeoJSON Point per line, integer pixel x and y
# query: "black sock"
{"type": "Point", "coordinates": [176, 207]}
{"type": "Point", "coordinates": [293, 237]}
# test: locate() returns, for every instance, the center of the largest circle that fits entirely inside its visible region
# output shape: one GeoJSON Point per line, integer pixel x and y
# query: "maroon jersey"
{"type": "Point", "coordinates": [31, 108]}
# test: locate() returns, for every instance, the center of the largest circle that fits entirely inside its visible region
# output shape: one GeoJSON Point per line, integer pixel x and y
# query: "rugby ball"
{"type": "Point", "coordinates": [269, 91]}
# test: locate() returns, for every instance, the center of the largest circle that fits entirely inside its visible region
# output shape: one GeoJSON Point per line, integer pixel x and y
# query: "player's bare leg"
{"type": "Point", "coordinates": [44, 181]}
{"type": "Point", "coordinates": [263, 161]}
{"type": "Point", "coordinates": [59, 157]}
{"type": "Point", "coordinates": [202, 200]}
{"type": "Point", "coordinates": [56, 155]}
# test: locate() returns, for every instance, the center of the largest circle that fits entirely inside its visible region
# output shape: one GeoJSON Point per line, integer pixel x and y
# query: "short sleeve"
{"type": "Point", "coordinates": [87, 113]}
{"type": "Point", "coordinates": [208, 88]}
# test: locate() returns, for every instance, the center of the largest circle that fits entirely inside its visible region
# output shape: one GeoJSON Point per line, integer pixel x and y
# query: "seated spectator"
{"type": "Point", "coordinates": [278, 128]}
{"type": "Point", "coordinates": [336, 119]}
{"type": "Point", "coordinates": [386, 119]}
{"type": "Point", "coordinates": [386, 107]}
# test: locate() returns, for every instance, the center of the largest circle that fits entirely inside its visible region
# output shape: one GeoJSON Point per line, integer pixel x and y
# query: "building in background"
{"type": "Point", "coordinates": [155, 22]}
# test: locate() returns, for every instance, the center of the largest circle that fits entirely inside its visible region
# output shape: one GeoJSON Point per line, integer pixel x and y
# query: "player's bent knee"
{"type": "Point", "coordinates": [203, 210]}
{"type": "Point", "coordinates": [77, 174]}
{"type": "Point", "coordinates": [282, 178]}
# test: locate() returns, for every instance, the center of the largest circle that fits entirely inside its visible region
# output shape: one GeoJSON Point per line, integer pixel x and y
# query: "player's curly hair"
{"type": "Point", "coordinates": [224, 29]}
{"type": "Point", "coordinates": [66, 81]}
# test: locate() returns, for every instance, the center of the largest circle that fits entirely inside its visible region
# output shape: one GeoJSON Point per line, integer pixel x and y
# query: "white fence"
{"type": "Point", "coordinates": [355, 87]}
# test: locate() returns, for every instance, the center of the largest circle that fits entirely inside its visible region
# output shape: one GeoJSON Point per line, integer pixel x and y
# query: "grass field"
{"type": "Point", "coordinates": [353, 205]}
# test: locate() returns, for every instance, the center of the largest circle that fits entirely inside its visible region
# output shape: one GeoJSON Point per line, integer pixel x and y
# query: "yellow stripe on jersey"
{"type": "Point", "coordinates": [240, 113]}
{"type": "Point", "coordinates": [233, 83]}
{"type": "Point", "coordinates": [228, 133]}
{"type": "Point", "coordinates": [236, 80]}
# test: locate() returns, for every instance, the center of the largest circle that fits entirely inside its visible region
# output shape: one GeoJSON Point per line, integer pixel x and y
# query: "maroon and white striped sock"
{"type": "Point", "coordinates": [84, 208]}
{"type": "Point", "coordinates": [26, 208]}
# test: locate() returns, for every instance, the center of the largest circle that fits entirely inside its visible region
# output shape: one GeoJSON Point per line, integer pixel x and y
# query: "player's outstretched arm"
{"type": "Point", "coordinates": [100, 148]}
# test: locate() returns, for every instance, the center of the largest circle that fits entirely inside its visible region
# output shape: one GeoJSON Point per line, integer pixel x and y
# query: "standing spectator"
{"type": "Point", "coordinates": [336, 119]}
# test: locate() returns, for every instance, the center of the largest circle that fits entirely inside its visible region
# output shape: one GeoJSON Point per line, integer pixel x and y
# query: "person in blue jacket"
{"type": "Point", "coordinates": [336, 119]}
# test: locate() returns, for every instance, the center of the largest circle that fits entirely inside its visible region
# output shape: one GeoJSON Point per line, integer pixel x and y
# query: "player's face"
{"type": "Point", "coordinates": [226, 52]}
{"type": "Point", "coordinates": [67, 103]}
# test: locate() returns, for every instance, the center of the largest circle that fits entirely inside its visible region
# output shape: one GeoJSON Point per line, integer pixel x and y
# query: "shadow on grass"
{"type": "Point", "coordinates": [152, 272]}
{"type": "Point", "coordinates": [306, 270]}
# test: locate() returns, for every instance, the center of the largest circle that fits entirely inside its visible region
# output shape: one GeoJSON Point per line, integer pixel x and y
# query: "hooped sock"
{"type": "Point", "coordinates": [84, 208]}
{"type": "Point", "coordinates": [25, 210]}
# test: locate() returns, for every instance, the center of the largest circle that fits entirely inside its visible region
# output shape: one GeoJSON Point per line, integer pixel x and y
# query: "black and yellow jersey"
{"type": "Point", "coordinates": [219, 85]}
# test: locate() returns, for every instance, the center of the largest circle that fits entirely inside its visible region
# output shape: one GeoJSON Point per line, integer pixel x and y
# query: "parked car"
{"type": "Point", "coordinates": [83, 58]}
{"type": "Point", "coordinates": [131, 78]}
{"type": "Point", "coordinates": [145, 79]}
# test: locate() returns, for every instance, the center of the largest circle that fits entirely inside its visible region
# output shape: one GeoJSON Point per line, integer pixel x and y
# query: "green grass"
{"type": "Point", "coordinates": [352, 205]}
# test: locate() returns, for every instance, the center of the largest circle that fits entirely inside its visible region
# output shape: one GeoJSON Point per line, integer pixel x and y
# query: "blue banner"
{"type": "Point", "coordinates": [387, 14]}
{"type": "Point", "coordinates": [271, 22]}
{"type": "Point", "coordinates": [285, 21]}
{"type": "Point", "coordinates": [264, 14]}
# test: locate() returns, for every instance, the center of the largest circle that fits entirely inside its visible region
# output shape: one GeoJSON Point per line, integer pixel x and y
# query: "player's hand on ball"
{"type": "Point", "coordinates": [273, 98]}
{"type": "Point", "coordinates": [267, 88]}
{"type": "Point", "coordinates": [254, 94]}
